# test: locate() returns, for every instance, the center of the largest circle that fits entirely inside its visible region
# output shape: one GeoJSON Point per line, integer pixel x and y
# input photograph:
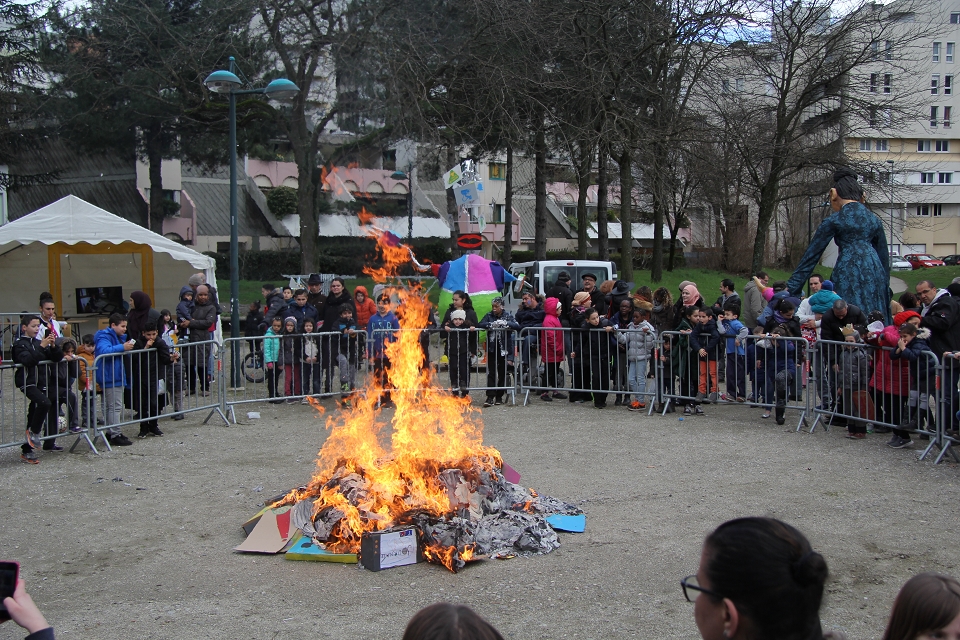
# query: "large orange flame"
{"type": "Point", "coordinates": [399, 457]}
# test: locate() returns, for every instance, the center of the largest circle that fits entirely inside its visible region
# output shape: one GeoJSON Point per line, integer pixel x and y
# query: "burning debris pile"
{"type": "Point", "coordinates": [423, 464]}
{"type": "Point", "coordinates": [486, 516]}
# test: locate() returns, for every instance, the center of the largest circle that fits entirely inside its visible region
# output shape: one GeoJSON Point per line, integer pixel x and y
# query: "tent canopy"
{"type": "Point", "coordinates": [72, 244]}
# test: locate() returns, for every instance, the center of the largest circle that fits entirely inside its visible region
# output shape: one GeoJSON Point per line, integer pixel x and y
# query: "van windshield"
{"type": "Point", "coordinates": [576, 273]}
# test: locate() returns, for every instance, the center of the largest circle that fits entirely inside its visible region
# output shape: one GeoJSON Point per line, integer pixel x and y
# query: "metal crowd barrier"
{"type": "Point", "coordinates": [768, 374]}
{"type": "Point", "coordinates": [912, 398]}
{"type": "Point", "coordinates": [592, 367]}
{"type": "Point", "coordinates": [329, 364]}
{"type": "Point", "coordinates": [57, 383]}
{"type": "Point", "coordinates": [129, 386]}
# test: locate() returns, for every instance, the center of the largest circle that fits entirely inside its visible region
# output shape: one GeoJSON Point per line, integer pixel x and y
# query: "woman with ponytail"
{"type": "Point", "coordinates": [861, 275]}
{"type": "Point", "coordinates": [758, 579]}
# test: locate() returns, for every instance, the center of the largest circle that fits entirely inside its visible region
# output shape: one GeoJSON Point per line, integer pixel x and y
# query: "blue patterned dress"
{"type": "Point", "coordinates": [862, 273]}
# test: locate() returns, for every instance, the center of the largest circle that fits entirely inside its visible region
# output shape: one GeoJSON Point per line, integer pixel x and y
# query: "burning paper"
{"type": "Point", "coordinates": [425, 465]}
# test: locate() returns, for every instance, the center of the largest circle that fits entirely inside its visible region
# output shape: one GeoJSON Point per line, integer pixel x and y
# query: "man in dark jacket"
{"type": "Point", "coordinates": [201, 325]}
{"type": "Point", "coordinates": [315, 295]}
{"type": "Point", "coordinates": [597, 299]}
{"type": "Point", "coordinates": [941, 315]}
{"type": "Point", "coordinates": [31, 378]}
{"type": "Point", "coordinates": [561, 291]}
{"type": "Point", "coordinates": [836, 319]}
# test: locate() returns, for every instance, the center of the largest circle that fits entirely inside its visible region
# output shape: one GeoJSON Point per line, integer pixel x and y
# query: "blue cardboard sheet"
{"type": "Point", "coordinates": [560, 522]}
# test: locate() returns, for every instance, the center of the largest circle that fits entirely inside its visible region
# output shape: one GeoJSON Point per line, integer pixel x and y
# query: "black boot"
{"type": "Point", "coordinates": [780, 411]}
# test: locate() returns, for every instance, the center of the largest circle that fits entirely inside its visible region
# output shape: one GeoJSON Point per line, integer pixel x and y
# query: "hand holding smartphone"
{"type": "Point", "coordinates": [9, 574]}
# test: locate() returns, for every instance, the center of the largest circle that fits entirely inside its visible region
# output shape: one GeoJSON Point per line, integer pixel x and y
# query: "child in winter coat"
{"type": "Point", "coordinates": [734, 333]}
{"type": "Point", "coordinates": [552, 348]}
{"type": "Point", "coordinates": [310, 362]}
{"type": "Point", "coordinates": [185, 309]}
{"type": "Point", "coordinates": [87, 385]}
{"type": "Point", "coordinates": [291, 348]}
{"type": "Point", "coordinates": [146, 370]}
{"type": "Point", "coordinates": [251, 325]}
{"type": "Point", "coordinates": [501, 328]}
{"type": "Point", "coordinates": [67, 372]}
{"type": "Point", "coordinates": [914, 348]}
{"type": "Point", "coordinates": [854, 374]}
{"type": "Point", "coordinates": [271, 357]}
{"type": "Point", "coordinates": [639, 338]}
{"type": "Point", "coordinates": [347, 350]}
{"type": "Point", "coordinates": [780, 367]}
{"type": "Point", "coordinates": [461, 345]}
{"type": "Point", "coordinates": [579, 344]}
{"type": "Point", "coordinates": [705, 343]}
{"type": "Point", "coordinates": [366, 307]}
{"type": "Point", "coordinates": [381, 330]}
{"type": "Point", "coordinates": [620, 320]}
{"type": "Point", "coordinates": [603, 343]}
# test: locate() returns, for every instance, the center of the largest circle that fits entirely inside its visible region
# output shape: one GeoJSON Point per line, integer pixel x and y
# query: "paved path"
{"type": "Point", "coordinates": [897, 285]}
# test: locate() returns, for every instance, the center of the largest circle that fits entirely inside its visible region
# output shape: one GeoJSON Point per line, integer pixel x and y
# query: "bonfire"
{"type": "Point", "coordinates": [420, 463]}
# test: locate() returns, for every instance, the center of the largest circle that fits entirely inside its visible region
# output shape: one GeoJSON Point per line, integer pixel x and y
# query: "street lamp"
{"type": "Point", "coordinates": [400, 175]}
{"type": "Point", "coordinates": [890, 183]}
{"type": "Point", "coordinates": [228, 83]}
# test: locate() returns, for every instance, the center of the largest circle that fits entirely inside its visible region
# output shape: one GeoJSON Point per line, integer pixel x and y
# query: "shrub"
{"type": "Point", "coordinates": [282, 201]}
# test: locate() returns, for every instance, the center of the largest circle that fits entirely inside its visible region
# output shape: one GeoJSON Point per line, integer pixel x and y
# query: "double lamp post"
{"type": "Point", "coordinates": [229, 83]}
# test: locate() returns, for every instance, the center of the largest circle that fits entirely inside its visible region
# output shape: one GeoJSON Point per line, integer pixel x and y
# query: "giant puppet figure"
{"type": "Point", "coordinates": [861, 275]}
{"type": "Point", "coordinates": [482, 279]}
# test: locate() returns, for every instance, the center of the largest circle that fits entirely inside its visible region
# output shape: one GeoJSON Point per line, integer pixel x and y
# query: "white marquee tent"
{"type": "Point", "coordinates": [71, 244]}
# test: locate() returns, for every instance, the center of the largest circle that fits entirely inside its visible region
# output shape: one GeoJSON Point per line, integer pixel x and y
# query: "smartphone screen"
{"type": "Point", "coordinates": [9, 571]}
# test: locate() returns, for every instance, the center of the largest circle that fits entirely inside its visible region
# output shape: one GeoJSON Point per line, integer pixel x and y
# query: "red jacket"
{"type": "Point", "coordinates": [890, 376]}
{"type": "Point", "coordinates": [365, 309]}
{"type": "Point", "coordinates": [551, 342]}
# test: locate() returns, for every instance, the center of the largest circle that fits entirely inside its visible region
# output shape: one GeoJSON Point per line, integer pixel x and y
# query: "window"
{"type": "Point", "coordinates": [888, 50]}
{"type": "Point", "coordinates": [936, 52]}
{"type": "Point", "coordinates": [955, 18]}
{"type": "Point", "coordinates": [881, 144]}
{"type": "Point", "coordinates": [923, 146]}
{"type": "Point", "coordinates": [864, 144]}
{"type": "Point", "coordinates": [887, 117]}
{"type": "Point", "coordinates": [498, 213]}
{"type": "Point", "coordinates": [872, 117]}
{"type": "Point", "coordinates": [943, 146]}
{"type": "Point", "coordinates": [935, 84]}
{"type": "Point", "coordinates": [498, 171]}
{"type": "Point", "coordinates": [946, 117]}
{"type": "Point", "coordinates": [937, 210]}
{"type": "Point", "coordinates": [933, 116]}
{"type": "Point", "coordinates": [949, 56]}
{"type": "Point", "coordinates": [739, 83]}
{"type": "Point", "coordinates": [945, 177]}
{"type": "Point", "coordinates": [926, 178]}
{"type": "Point", "coordinates": [725, 86]}
{"type": "Point", "coordinates": [887, 82]}
{"type": "Point", "coordinates": [874, 80]}
{"type": "Point", "coordinates": [947, 85]}
{"type": "Point", "coordinates": [923, 210]}
{"type": "Point", "coordinates": [875, 50]}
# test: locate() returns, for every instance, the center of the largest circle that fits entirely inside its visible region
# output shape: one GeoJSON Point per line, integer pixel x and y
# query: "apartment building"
{"type": "Point", "coordinates": [909, 136]}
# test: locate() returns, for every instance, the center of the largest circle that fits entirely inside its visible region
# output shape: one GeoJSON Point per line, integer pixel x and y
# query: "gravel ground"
{"type": "Point", "coordinates": [137, 543]}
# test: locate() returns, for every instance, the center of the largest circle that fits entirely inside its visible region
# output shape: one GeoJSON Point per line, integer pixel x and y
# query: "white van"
{"type": "Point", "coordinates": [540, 275]}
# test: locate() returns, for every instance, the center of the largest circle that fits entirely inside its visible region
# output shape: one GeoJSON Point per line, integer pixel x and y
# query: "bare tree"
{"type": "Point", "coordinates": [783, 96]}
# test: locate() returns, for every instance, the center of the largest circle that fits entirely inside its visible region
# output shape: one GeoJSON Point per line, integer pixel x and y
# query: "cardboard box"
{"type": "Point", "coordinates": [393, 548]}
{"type": "Point", "coordinates": [305, 549]}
